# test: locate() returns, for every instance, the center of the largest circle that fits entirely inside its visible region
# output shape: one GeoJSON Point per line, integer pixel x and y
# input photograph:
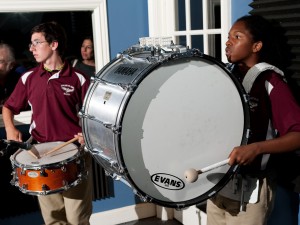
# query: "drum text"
{"type": "Point", "coordinates": [167, 181]}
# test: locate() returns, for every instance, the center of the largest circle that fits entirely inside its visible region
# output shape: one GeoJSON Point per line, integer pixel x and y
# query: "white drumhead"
{"type": "Point", "coordinates": [182, 115]}
{"type": "Point", "coordinates": [65, 153]}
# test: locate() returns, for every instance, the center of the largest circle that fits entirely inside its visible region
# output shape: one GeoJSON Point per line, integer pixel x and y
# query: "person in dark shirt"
{"type": "Point", "coordinates": [10, 72]}
{"type": "Point", "coordinates": [87, 64]}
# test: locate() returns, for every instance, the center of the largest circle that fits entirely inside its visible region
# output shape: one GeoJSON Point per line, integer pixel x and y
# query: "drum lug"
{"type": "Point", "coordinates": [78, 161]}
{"type": "Point", "coordinates": [14, 179]}
{"type": "Point", "coordinates": [44, 188]}
{"type": "Point", "coordinates": [115, 129]}
{"type": "Point", "coordinates": [25, 186]}
{"type": "Point", "coordinates": [23, 171]}
{"type": "Point", "coordinates": [115, 165]}
{"type": "Point", "coordinates": [43, 173]}
{"type": "Point", "coordinates": [65, 183]}
{"type": "Point", "coordinates": [64, 169]}
{"type": "Point", "coordinates": [246, 97]}
{"type": "Point", "coordinates": [128, 87]}
{"type": "Point", "coordinates": [121, 170]}
{"type": "Point", "coordinates": [143, 198]}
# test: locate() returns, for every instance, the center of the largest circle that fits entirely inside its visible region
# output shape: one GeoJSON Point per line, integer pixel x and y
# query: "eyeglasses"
{"type": "Point", "coordinates": [35, 43]}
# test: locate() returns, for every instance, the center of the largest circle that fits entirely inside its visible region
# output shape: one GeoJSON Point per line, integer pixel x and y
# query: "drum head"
{"type": "Point", "coordinates": [66, 154]}
{"type": "Point", "coordinates": [185, 114]}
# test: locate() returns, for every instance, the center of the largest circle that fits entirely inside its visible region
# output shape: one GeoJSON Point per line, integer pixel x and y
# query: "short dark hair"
{"type": "Point", "coordinates": [88, 37]}
{"type": "Point", "coordinates": [53, 32]}
{"type": "Point", "coordinates": [272, 37]}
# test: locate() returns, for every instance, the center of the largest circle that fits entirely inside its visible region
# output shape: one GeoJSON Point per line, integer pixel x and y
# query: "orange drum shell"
{"type": "Point", "coordinates": [52, 178]}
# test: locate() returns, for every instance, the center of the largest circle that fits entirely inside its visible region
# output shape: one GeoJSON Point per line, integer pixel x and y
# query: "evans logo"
{"type": "Point", "coordinates": [167, 181]}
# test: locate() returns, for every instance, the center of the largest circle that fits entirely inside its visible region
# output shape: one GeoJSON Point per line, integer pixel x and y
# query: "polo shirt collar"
{"type": "Point", "coordinates": [62, 73]}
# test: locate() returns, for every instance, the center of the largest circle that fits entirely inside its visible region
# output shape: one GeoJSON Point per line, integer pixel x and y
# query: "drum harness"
{"type": "Point", "coordinates": [249, 186]}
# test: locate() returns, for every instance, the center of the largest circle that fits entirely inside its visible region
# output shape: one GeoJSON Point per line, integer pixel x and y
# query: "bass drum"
{"type": "Point", "coordinates": [147, 118]}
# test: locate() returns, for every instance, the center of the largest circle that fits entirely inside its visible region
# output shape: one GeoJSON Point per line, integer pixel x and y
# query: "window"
{"type": "Point", "coordinates": [97, 8]}
{"type": "Point", "coordinates": [201, 24]}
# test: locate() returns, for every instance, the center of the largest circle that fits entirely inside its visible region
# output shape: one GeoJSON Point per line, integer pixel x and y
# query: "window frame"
{"type": "Point", "coordinates": [162, 14]}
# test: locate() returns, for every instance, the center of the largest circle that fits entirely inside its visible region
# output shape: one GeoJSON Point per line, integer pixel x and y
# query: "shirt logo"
{"type": "Point", "coordinates": [67, 89]}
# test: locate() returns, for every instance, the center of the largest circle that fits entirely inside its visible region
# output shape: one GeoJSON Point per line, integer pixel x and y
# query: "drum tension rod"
{"type": "Point", "coordinates": [64, 169]}
{"type": "Point", "coordinates": [45, 187]}
{"type": "Point", "coordinates": [43, 173]}
{"type": "Point", "coordinates": [25, 186]}
{"type": "Point", "coordinates": [23, 171]}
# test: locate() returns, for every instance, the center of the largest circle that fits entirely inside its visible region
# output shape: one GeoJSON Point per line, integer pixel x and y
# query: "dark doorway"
{"type": "Point", "coordinates": [15, 30]}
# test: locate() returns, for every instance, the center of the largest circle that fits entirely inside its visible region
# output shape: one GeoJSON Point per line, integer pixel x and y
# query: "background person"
{"type": "Point", "coordinates": [87, 64]}
{"type": "Point", "coordinates": [10, 72]}
{"type": "Point", "coordinates": [55, 93]}
{"type": "Point", "coordinates": [274, 122]}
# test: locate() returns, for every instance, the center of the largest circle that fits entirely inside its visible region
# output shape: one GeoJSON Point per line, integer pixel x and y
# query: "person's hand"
{"type": "Point", "coordinates": [243, 155]}
{"type": "Point", "coordinates": [80, 138]}
{"type": "Point", "coordinates": [13, 134]}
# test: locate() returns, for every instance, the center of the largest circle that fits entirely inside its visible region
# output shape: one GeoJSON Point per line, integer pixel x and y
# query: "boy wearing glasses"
{"type": "Point", "coordinates": [55, 91]}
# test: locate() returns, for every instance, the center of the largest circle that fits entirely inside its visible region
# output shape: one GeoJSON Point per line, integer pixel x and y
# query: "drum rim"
{"type": "Point", "coordinates": [119, 154]}
{"type": "Point", "coordinates": [17, 164]}
{"type": "Point", "coordinates": [230, 172]}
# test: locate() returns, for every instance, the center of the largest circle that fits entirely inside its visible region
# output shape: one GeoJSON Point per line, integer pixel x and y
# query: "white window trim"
{"type": "Point", "coordinates": [161, 16]}
{"type": "Point", "coordinates": [99, 25]}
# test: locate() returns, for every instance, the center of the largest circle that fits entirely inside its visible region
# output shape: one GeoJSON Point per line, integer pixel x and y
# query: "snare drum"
{"type": "Point", "coordinates": [55, 172]}
{"type": "Point", "coordinates": [148, 118]}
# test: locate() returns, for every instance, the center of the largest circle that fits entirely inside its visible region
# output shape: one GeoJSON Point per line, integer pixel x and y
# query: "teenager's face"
{"type": "Point", "coordinates": [40, 48]}
{"type": "Point", "coordinates": [240, 47]}
{"type": "Point", "coordinates": [87, 50]}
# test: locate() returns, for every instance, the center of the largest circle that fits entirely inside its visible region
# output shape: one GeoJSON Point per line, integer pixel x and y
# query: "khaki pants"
{"type": "Point", "coordinates": [225, 211]}
{"type": "Point", "coordinates": [71, 207]}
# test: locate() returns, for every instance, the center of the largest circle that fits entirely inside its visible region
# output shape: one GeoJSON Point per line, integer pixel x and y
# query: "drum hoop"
{"type": "Point", "coordinates": [120, 116]}
{"type": "Point", "coordinates": [230, 172]}
{"type": "Point", "coordinates": [183, 204]}
{"type": "Point", "coordinates": [16, 164]}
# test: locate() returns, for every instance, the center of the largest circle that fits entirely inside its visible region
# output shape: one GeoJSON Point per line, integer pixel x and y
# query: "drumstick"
{"type": "Point", "coordinates": [22, 145]}
{"type": "Point", "coordinates": [32, 147]}
{"type": "Point", "coordinates": [32, 154]}
{"type": "Point", "coordinates": [61, 146]}
{"type": "Point", "coordinates": [191, 175]}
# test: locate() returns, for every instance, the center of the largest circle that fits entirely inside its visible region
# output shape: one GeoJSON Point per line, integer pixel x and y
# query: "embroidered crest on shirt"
{"type": "Point", "coordinates": [67, 89]}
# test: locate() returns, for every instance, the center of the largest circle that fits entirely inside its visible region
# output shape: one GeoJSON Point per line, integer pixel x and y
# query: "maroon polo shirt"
{"type": "Point", "coordinates": [55, 100]}
{"type": "Point", "coordinates": [271, 100]}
